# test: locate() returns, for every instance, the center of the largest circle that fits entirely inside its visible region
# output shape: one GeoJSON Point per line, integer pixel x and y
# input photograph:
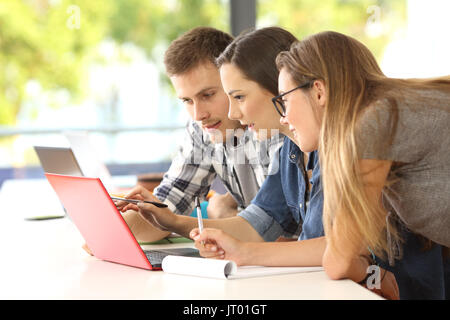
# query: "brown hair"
{"type": "Point", "coordinates": [254, 53]}
{"type": "Point", "coordinates": [194, 47]}
{"type": "Point", "coordinates": [353, 81]}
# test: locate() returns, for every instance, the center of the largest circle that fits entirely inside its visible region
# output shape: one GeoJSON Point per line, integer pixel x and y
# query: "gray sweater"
{"type": "Point", "coordinates": [420, 151]}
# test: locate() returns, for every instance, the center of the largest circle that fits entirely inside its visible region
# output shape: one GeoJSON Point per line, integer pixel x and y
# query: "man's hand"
{"type": "Point", "coordinates": [137, 193]}
{"type": "Point", "coordinates": [221, 206]}
{"type": "Point", "coordinates": [141, 229]}
{"type": "Point", "coordinates": [161, 218]}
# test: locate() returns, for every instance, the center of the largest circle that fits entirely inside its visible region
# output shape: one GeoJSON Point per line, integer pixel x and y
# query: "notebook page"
{"type": "Point", "coordinates": [201, 267]}
{"type": "Point", "coordinates": [259, 271]}
{"type": "Point", "coordinates": [224, 269]}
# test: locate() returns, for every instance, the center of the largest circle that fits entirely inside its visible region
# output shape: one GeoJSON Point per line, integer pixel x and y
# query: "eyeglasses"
{"type": "Point", "coordinates": [278, 100]}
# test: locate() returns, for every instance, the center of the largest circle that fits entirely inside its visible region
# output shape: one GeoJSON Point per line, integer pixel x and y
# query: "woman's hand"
{"type": "Point", "coordinates": [345, 265]}
{"type": "Point", "coordinates": [216, 244]}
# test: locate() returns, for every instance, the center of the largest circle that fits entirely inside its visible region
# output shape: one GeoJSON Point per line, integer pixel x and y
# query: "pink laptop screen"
{"type": "Point", "coordinates": [100, 223]}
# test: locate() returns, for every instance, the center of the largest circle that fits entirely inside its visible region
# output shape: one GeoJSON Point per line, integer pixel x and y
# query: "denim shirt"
{"type": "Point", "coordinates": [280, 207]}
{"type": "Point", "coordinates": [420, 274]}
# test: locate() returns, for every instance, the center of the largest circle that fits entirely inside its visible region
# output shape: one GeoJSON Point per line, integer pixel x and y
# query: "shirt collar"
{"type": "Point", "coordinates": [294, 151]}
{"type": "Point", "coordinates": [295, 154]}
{"type": "Point", "coordinates": [312, 160]}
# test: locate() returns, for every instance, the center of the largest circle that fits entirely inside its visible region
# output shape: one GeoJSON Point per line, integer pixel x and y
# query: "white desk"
{"type": "Point", "coordinates": [37, 197]}
{"type": "Point", "coordinates": [44, 260]}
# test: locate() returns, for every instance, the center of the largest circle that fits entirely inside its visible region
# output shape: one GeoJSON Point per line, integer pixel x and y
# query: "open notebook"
{"type": "Point", "coordinates": [224, 269]}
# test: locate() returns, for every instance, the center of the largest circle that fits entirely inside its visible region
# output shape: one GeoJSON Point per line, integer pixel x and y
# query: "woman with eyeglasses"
{"type": "Point", "coordinates": [384, 149]}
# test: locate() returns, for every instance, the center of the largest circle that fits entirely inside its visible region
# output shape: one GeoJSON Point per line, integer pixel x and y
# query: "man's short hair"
{"type": "Point", "coordinates": [194, 47]}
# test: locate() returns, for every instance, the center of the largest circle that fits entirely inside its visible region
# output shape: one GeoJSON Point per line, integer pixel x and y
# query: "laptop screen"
{"type": "Point", "coordinates": [91, 209]}
{"type": "Point", "coordinates": [58, 160]}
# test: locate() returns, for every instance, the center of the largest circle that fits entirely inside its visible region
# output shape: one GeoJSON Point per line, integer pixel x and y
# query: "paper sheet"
{"type": "Point", "coordinates": [224, 269]}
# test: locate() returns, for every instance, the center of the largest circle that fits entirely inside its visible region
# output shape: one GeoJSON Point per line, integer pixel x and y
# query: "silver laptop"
{"type": "Point", "coordinates": [80, 160]}
{"type": "Point", "coordinates": [88, 158]}
{"type": "Point", "coordinates": [58, 160]}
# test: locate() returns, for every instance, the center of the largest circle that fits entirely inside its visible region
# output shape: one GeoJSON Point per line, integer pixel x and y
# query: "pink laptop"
{"type": "Point", "coordinates": [100, 223]}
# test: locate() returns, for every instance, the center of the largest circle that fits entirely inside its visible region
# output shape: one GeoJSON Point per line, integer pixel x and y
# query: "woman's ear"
{"type": "Point", "coordinates": [320, 93]}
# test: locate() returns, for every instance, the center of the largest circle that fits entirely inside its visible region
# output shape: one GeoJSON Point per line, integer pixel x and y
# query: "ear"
{"type": "Point", "coordinates": [320, 94]}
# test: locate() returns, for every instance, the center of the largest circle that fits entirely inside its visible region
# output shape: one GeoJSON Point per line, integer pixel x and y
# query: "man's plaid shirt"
{"type": "Point", "coordinates": [238, 163]}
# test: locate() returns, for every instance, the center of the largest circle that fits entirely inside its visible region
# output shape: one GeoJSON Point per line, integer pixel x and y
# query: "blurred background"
{"type": "Point", "coordinates": [97, 65]}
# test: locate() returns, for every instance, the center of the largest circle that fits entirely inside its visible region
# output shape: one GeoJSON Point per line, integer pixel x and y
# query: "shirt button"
{"type": "Point", "coordinates": [301, 205]}
{"type": "Point", "coordinates": [292, 156]}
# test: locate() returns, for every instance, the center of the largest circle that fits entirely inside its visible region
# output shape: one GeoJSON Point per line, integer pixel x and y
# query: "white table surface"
{"type": "Point", "coordinates": [44, 260]}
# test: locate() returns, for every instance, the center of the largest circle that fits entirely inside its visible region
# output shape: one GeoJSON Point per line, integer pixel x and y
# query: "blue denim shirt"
{"type": "Point", "coordinates": [420, 274]}
{"type": "Point", "coordinates": [280, 206]}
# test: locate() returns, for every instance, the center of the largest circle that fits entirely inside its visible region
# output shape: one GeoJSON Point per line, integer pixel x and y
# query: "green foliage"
{"type": "Point", "coordinates": [40, 41]}
{"type": "Point", "coordinates": [36, 44]}
{"type": "Point", "coordinates": [147, 23]}
{"type": "Point", "coordinates": [351, 17]}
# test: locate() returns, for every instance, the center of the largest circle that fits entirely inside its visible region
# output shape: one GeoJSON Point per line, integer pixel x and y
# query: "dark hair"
{"type": "Point", "coordinates": [254, 53]}
{"type": "Point", "coordinates": [194, 47]}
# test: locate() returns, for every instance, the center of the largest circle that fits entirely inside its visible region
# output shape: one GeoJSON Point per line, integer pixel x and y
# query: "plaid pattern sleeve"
{"type": "Point", "coordinates": [190, 174]}
{"type": "Point", "coordinates": [242, 166]}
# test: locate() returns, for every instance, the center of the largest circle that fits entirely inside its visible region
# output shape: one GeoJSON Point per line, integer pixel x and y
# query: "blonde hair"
{"type": "Point", "coordinates": [353, 81]}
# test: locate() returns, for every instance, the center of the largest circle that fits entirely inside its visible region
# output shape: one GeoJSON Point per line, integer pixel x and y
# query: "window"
{"type": "Point", "coordinates": [94, 65]}
{"type": "Point", "coordinates": [408, 37]}
{"type": "Point", "coordinates": [97, 65]}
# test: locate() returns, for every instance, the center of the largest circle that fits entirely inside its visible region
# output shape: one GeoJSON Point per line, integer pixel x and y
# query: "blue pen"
{"type": "Point", "coordinates": [199, 216]}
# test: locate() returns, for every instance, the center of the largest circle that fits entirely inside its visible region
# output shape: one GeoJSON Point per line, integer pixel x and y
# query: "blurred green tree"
{"type": "Point", "coordinates": [37, 42]}
{"type": "Point", "coordinates": [373, 22]}
{"type": "Point", "coordinates": [53, 42]}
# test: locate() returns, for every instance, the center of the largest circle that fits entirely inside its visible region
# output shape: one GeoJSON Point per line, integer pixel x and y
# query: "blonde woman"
{"type": "Point", "coordinates": [384, 147]}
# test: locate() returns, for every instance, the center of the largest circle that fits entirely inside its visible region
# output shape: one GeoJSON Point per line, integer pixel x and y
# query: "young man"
{"type": "Point", "coordinates": [211, 149]}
